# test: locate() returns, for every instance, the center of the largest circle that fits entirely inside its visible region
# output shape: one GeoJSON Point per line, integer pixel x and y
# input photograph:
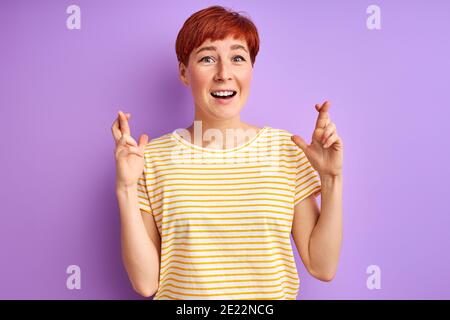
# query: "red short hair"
{"type": "Point", "coordinates": [215, 23]}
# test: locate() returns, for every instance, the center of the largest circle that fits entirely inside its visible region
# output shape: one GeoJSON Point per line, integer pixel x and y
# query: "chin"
{"type": "Point", "coordinates": [225, 112]}
{"type": "Point", "coordinates": [222, 111]}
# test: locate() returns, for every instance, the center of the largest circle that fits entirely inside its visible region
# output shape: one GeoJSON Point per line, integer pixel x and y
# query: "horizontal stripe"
{"type": "Point", "coordinates": [259, 156]}
{"type": "Point", "coordinates": [176, 280]}
{"type": "Point", "coordinates": [261, 276]}
{"type": "Point", "coordinates": [232, 179]}
{"type": "Point", "coordinates": [264, 184]}
{"type": "Point", "coordinates": [240, 293]}
{"type": "Point", "coordinates": [177, 161]}
{"type": "Point", "coordinates": [196, 263]}
{"type": "Point", "coordinates": [212, 226]}
{"type": "Point", "coordinates": [219, 227]}
{"type": "Point", "coordinates": [290, 285]}
{"type": "Point", "coordinates": [229, 175]}
{"type": "Point", "coordinates": [261, 159]}
{"type": "Point", "coordinates": [191, 171]}
{"type": "Point", "coordinates": [278, 297]}
{"type": "Point", "coordinates": [217, 256]}
{"type": "Point", "coordinates": [194, 244]}
{"type": "Point", "coordinates": [263, 189]}
{"type": "Point", "coordinates": [185, 212]}
{"type": "Point", "coordinates": [190, 232]}
{"type": "Point", "coordinates": [215, 167]}
{"type": "Point", "coordinates": [286, 249]}
{"type": "Point", "coordinates": [229, 273]}
{"type": "Point", "coordinates": [220, 218]}
{"type": "Point", "coordinates": [190, 236]}
{"type": "Point", "coordinates": [231, 183]}
{"type": "Point", "coordinates": [204, 216]}
{"type": "Point", "coordinates": [182, 198]}
{"type": "Point", "coordinates": [197, 270]}
{"type": "Point", "coordinates": [259, 203]}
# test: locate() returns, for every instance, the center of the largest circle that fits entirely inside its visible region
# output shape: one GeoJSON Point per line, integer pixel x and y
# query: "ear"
{"type": "Point", "coordinates": [182, 74]}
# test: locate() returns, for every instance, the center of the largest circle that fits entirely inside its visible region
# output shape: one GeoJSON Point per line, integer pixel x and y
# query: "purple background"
{"type": "Point", "coordinates": [61, 90]}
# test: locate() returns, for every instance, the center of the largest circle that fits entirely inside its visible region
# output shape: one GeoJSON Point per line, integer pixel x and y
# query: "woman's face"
{"type": "Point", "coordinates": [217, 67]}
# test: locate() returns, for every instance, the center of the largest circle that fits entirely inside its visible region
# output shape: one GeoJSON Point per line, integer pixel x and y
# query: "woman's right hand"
{"type": "Point", "coordinates": [129, 155]}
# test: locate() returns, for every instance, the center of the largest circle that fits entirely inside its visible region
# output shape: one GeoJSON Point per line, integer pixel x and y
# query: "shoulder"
{"type": "Point", "coordinates": [281, 135]}
{"type": "Point", "coordinates": [280, 139]}
{"type": "Point", "coordinates": [160, 143]}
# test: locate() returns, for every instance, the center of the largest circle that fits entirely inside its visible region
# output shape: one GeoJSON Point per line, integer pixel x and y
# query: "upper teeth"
{"type": "Point", "coordinates": [223, 93]}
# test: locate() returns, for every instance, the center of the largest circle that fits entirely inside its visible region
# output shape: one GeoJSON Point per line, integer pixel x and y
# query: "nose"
{"type": "Point", "coordinates": [223, 72]}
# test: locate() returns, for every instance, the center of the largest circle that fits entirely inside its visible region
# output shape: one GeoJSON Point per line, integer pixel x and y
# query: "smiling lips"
{"type": "Point", "coordinates": [223, 94]}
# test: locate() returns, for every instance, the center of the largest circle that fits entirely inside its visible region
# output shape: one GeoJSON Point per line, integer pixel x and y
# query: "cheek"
{"type": "Point", "coordinates": [199, 81]}
{"type": "Point", "coordinates": [246, 79]}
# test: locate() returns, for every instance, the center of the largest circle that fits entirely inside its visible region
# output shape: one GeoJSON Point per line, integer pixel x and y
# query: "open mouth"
{"type": "Point", "coordinates": [224, 94]}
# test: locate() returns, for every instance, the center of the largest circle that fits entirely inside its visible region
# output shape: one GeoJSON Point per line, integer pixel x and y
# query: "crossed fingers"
{"type": "Point", "coordinates": [323, 122]}
{"type": "Point", "coordinates": [122, 136]}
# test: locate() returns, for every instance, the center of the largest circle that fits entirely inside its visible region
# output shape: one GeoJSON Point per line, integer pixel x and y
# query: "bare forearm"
{"type": "Point", "coordinates": [139, 253]}
{"type": "Point", "coordinates": [326, 237]}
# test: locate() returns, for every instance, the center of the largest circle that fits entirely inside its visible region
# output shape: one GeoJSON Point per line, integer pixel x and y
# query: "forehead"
{"type": "Point", "coordinates": [224, 44]}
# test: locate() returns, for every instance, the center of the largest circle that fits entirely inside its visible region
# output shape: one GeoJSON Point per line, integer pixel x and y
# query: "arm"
{"type": "Point", "coordinates": [140, 240]}
{"type": "Point", "coordinates": [318, 235]}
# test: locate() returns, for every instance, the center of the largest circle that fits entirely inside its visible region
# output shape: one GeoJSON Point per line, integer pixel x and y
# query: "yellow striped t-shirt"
{"type": "Point", "coordinates": [225, 216]}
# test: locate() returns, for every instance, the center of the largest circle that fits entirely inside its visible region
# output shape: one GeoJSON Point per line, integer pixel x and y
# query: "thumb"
{"type": "Point", "coordinates": [300, 142]}
{"type": "Point", "coordinates": [143, 140]}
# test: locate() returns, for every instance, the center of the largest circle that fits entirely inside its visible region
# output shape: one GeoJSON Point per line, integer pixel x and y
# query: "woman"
{"type": "Point", "coordinates": [211, 217]}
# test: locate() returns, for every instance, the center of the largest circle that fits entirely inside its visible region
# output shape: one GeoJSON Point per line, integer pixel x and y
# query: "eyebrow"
{"type": "Point", "coordinates": [213, 48]}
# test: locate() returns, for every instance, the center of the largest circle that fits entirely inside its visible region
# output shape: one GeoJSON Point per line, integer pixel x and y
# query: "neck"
{"type": "Point", "coordinates": [204, 131]}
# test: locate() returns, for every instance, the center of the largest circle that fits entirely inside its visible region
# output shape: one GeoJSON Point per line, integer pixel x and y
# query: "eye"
{"type": "Point", "coordinates": [207, 57]}
{"type": "Point", "coordinates": [240, 58]}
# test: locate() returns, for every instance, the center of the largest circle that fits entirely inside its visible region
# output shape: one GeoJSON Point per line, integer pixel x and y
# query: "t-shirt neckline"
{"type": "Point", "coordinates": [250, 142]}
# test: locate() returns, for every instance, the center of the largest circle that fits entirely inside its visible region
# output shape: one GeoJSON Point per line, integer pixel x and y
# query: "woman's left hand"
{"type": "Point", "coordinates": [326, 151]}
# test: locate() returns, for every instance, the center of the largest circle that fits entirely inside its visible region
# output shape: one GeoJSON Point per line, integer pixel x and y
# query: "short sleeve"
{"type": "Point", "coordinates": [307, 180]}
{"type": "Point", "coordinates": [143, 194]}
